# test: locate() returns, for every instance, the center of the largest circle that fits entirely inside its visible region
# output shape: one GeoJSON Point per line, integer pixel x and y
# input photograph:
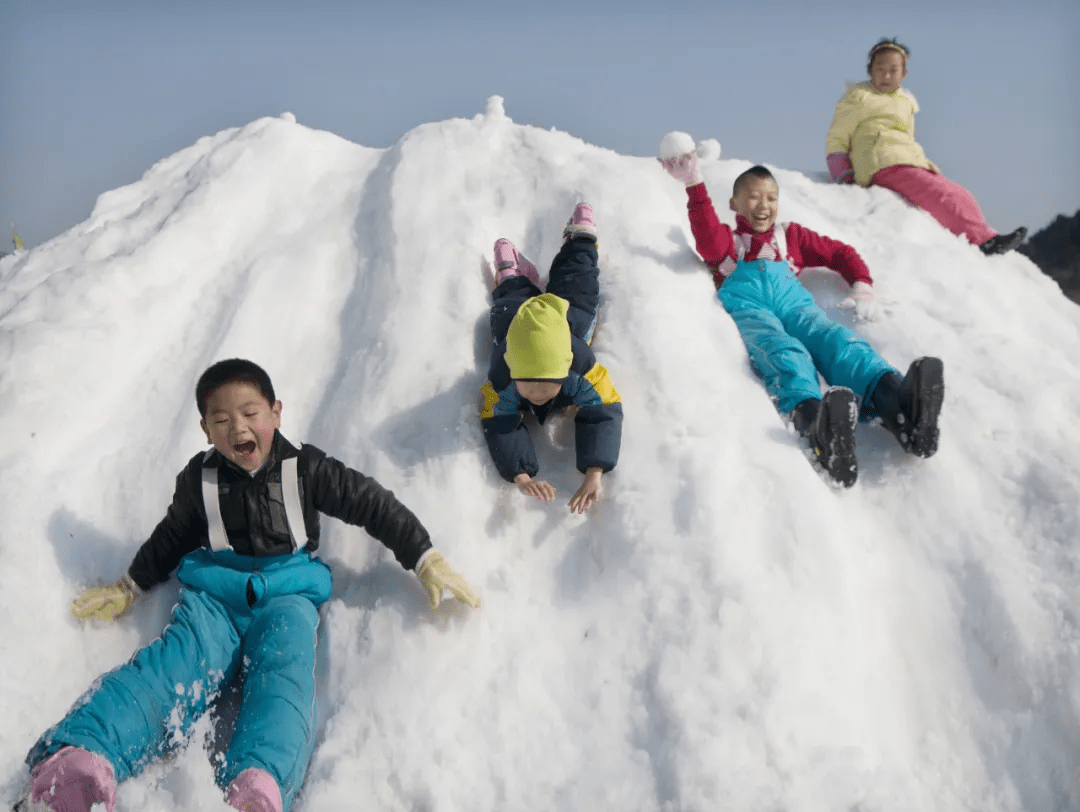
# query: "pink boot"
{"type": "Point", "coordinates": [508, 262]}
{"type": "Point", "coordinates": [254, 790]}
{"type": "Point", "coordinates": [72, 780]}
{"type": "Point", "coordinates": [580, 224]}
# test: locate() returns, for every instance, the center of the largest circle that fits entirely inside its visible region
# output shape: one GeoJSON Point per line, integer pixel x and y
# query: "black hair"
{"type": "Point", "coordinates": [886, 44]}
{"type": "Point", "coordinates": [757, 171]}
{"type": "Point", "coordinates": [233, 370]}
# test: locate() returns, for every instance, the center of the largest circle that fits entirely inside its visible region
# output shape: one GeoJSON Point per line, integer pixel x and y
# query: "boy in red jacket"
{"type": "Point", "coordinates": [791, 340]}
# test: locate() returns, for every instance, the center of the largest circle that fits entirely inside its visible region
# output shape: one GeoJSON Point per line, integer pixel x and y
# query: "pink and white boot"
{"type": "Point", "coordinates": [254, 790]}
{"type": "Point", "coordinates": [71, 780]}
{"type": "Point", "coordinates": [580, 224]}
{"type": "Point", "coordinates": [508, 262]}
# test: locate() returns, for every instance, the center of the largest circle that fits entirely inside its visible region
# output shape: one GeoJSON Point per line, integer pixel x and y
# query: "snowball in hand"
{"type": "Point", "coordinates": [708, 149]}
{"type": "Point", "coordinates": [676, 143]}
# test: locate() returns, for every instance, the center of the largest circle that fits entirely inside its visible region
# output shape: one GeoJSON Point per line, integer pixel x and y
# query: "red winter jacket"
{"type": "Point", "coordinates": [805, 248]}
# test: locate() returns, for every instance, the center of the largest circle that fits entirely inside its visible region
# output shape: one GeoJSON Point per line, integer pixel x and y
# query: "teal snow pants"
{"type": "Point", "coordinates": [790, 339]}
{"type": "Point", "coordinates": [235, 613]}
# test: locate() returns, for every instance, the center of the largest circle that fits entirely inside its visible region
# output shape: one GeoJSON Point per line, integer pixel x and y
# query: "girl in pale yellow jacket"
{"type": "Point", "coordinates": [872, 141]}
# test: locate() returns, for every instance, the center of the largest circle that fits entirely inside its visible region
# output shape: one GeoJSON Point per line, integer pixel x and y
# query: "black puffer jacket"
{"type": "Point", "coordinates": [253, 510]}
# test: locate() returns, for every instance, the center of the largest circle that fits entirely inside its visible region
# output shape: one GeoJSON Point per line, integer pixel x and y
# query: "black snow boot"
{"type": "Point", "coordinates": [1003, 243]}
{"type": "Point", "coordinates": [829, 425]}
{"type": "Point", "coordinates": [909, 407]}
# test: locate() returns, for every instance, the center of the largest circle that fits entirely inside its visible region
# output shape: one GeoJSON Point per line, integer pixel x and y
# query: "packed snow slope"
{"type": "Point", "coordinates": [723, 631]}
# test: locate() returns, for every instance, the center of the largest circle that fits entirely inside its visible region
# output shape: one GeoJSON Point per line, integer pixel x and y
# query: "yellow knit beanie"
{"type": "Point", "coordinates": [538, 341]}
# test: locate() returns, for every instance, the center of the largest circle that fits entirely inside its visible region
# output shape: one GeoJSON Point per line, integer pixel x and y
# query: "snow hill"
{"type": "Point", "coordinates": [723, 631]}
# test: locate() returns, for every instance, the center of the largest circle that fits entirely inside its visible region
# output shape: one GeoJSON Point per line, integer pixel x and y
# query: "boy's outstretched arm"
{"type": "Point", "coordinates": [347, 494]}
{"type": "Point", "coordinates": [818, 251]}
{"type": "Point", "coordinates": [175, 535]}
{"type": "Point", "coordinates": [182, 530]}
{"type": "Point", "coordinates": [507, 438]}
{"type": "Point", "coordinates": [597, 433]}
{"type": "Point", "coordinates": [344, 493]}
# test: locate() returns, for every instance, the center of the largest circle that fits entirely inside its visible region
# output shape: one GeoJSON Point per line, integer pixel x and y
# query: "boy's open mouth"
{"type": "Point", "coordinates": [247, 449]}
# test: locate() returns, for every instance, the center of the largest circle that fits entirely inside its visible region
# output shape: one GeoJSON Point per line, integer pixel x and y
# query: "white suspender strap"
{"type": "Point", "coordinates": [742, 242]}
{"type": "Point", "coordinates": [780, 234]}
{"type": "Point", "coordinates": [294, 511]}
{"type": "Point", "coordinates": [212, 503]}
{"type": "Point", "coordinates": [290, 492]}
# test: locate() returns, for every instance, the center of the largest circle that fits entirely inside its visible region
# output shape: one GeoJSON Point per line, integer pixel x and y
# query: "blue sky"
{"type": "Point", "coordinates": [92, 93]}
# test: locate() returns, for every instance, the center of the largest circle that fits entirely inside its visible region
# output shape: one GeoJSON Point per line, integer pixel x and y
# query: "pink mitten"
{"type": "Point", "coordinates": [840, 167]}
{"type": "Point", "coordinates": [683, 167]}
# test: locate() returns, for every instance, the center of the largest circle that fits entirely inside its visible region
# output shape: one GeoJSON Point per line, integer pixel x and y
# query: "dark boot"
{"type": "Point", "coordinates": [1003, 243]}
{"type": "Point", "coordinates": [909, 407]}
{"type": "Point", "coordinates": [829, 426]}
{"type": "Point", "coordinates": [804, 415]}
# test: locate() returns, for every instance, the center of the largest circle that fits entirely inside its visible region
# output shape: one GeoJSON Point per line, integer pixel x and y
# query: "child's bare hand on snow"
{"type": "Point", "coordinates": [589, 492]}
{"type": "Point", "coordinates": [534, 487]}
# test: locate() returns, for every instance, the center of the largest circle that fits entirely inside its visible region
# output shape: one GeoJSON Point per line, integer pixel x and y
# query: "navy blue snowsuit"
{"type": "Point", "coordinates": [574, 276]}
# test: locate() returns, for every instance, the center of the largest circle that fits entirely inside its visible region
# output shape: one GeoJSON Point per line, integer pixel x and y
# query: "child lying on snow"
{"type": "Point", "coordinates": [872, 142]}
{"type": "Point", "coordinates": [541, 362]}
{"type": "Point", "coordinates": [790, 339]}
{"type": "Point", "coordinates": [241, 532]}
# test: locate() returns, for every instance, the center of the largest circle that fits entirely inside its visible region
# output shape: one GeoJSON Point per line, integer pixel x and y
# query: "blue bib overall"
{"type": "Point", "coordinates": [235, 612]}
{"type": "Point", "coordinates": [790, 339]}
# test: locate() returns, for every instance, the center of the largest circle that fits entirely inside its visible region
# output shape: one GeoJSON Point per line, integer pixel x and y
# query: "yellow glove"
{"type": "Point", "coordinates": [106, 602]}
{"type": "Point", "coordinates": [436, 575]}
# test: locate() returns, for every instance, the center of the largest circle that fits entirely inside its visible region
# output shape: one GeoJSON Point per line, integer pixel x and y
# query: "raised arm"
{"type": "Point", "coordinates": [712, 238]}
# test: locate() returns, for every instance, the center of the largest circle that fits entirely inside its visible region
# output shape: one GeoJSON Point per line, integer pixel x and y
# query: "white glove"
{"type": "Point", "coordinates": [862, 302]}
{"type": "Point", "coordinates": [683, 167]}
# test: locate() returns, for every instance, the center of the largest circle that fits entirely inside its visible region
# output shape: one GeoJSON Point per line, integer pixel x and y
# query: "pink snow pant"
{"type": "Point", "coordinates": [946, 201]}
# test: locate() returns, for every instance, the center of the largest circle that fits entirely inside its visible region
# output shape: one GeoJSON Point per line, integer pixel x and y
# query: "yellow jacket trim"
{"type": "Point", "coordinates": [601, 382]}
{"type": "Point", "coordinates": [490, 398]}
